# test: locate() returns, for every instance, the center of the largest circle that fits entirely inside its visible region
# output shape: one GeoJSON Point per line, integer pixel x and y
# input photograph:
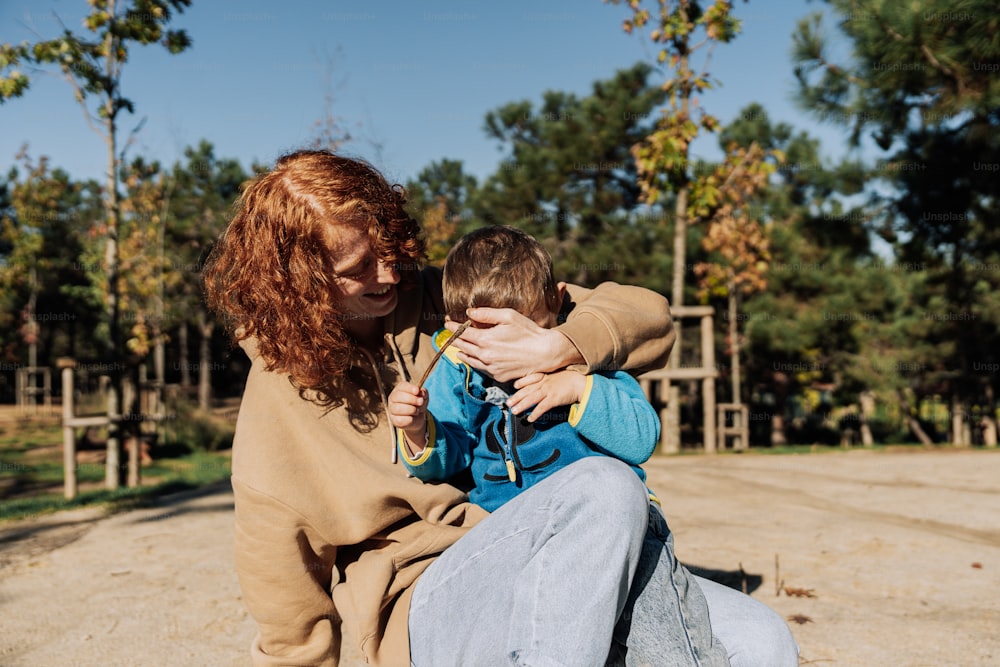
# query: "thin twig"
{"type": "Point", "coordinates": [454, 336]}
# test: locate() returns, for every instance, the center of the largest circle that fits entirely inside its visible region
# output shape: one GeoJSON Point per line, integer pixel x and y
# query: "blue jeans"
{"type": "Point", "coordinates": [545, 579]}
{"type": "Point", "coordinates": [666, 617]}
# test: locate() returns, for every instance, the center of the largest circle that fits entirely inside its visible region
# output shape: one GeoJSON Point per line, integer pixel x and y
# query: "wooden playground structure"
{"type": "Point", "coordinates": [151, 410]}
{"type": "Point", "coordinates": [720, 421]}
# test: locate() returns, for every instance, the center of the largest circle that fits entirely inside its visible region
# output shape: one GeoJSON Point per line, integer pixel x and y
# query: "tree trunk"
{"type": "Point", "coordinates": [113, 468]}
{"type": "Point", "coordinates": [205, 327]}
{"type": "Point", "coordinates": [156, 406]}
{"type": "Point", "coordinates": [159, 360]}
{"type": "Point", "coordinates": [131, 391]}
{"type": "Point", "coordinates": [32, 335]}
{"type": "Point", "coordinates": [71, 343]}
{"type": "Point", "coordinates": [673, 422]}
{"type": "Point", "coordinates": [912, 422]}
{"type": "Point", "coordinates": [734, 344]}
{"type": "Point", "coordinates": [959, 429]}
{"type": "Point", "coordinates": [989, 431]}
{"type": "Point", "coordinates": [182, 356]}
{"type": "Point", "coordinates": [734, 356]}
{"type": "Point", "coordinates": [990, 419]}
{"type": "Point", "coordinates": [867, 402]}
{"type": "Point", "coordinates": [778, 417]}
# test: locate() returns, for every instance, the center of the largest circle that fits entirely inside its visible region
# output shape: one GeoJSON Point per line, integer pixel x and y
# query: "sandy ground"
{"type": "Point", "coordinates": [900, 553]}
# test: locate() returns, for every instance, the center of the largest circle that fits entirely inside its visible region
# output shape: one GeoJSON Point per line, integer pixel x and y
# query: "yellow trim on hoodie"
{"type": "Point", "coordinates": [428, 448]}
{"type": "Point", "coordinates": [576, 410]}
{"type": "Point", "coordinates": [440, 339]}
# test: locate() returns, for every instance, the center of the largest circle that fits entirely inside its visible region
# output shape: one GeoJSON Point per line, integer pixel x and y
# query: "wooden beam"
{"type": "Point", "coordinates": [691, 311]}
{"type": "Point", "coordinates": [689, 373]}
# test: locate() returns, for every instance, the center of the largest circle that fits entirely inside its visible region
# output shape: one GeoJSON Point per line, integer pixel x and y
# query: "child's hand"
{"type": "Point", "coordinates": [545, 391]}
{"type": "Point", "coordinates": [408, 410]}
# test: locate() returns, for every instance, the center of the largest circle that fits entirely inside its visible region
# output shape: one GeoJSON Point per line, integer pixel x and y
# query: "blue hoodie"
{"type": "Point", "coordinates": [469, 425]}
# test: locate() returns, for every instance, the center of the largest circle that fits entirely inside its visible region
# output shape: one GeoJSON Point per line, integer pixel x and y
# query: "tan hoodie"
{"type": "Point", "coordinates": [331, 534]}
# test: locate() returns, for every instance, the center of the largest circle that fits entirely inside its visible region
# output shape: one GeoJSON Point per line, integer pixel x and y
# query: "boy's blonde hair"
{"type": "Point", "coordinates": [499, 267]}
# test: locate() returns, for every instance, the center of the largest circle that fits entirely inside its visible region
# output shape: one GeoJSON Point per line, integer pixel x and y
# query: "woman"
{"type": "Point", "coordinates": [319, 276]}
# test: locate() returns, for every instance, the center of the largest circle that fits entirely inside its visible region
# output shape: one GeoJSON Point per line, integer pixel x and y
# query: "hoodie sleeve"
{"type": "Point", "coordinates": [285, 583]}
{"type": "Point", "coordinates": [449, 443]}
{"type": "Point", "coordinates": [619, 327]}
{"type": "Point", "coordinates": [616, 418]}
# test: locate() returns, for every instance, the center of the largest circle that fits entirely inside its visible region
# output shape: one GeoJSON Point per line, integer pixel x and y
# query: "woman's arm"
{"type": "Point", "coordinates": [608, 328]}
{"type": "Point", "coordinates": [620, 327]}
{"type": "Point", "coordinates": [285, 584]}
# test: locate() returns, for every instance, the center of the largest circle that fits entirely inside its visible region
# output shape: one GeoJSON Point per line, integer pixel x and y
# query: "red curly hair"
{"type": "Point", "coordinates": [270, 274]}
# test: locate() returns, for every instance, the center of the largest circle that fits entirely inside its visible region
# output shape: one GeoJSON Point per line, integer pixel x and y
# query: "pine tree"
{"type": "Point", "coordinates": [567, 176]}
{"type": "Point", "coordinates": [922, 85]}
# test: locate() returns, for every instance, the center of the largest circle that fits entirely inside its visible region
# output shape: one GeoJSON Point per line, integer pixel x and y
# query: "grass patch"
{"type": "Point", "coordinates": [171, 475]}
{"type": "Point", "coordinates": [31, 468]}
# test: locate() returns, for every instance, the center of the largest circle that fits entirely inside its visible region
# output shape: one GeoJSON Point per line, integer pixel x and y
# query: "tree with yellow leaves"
{"type": "Point", "coordinates": [737, 238]}
{"type": "Point", "coordinates": [683, 30]}
{"type": "Point", "coordinates": [92, 63]}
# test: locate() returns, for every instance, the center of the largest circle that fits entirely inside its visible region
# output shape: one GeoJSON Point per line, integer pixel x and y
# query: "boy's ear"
{"type": "Point", "coordinates": [564, 305]}
{"type": "Point", "coordinates": [561, 289]}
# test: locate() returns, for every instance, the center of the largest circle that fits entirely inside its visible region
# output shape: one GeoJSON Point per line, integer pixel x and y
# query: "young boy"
{"type": "Point", "coordinates": [462, 420]}
{"type": "Point", "coordinates": [513, 435]}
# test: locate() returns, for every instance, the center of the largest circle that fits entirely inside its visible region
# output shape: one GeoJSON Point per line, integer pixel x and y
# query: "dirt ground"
{"type": "Point", "coordinates": [895, 557]}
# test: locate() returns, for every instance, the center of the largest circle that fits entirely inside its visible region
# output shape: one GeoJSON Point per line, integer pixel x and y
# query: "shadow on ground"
{"type": "Point", "coordinates": [735, 579]}
{"type": "Point", "coordinates": [34, 537]}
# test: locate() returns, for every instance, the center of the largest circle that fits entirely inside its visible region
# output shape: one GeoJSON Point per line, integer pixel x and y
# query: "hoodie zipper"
{"type": "Point", "coordinates": [508, 454]}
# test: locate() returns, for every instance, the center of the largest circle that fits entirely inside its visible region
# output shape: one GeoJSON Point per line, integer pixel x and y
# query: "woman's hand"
{"type": "Point", "coordinates": [507, 345]}
{"type": "Point", "coordinates": [544, 391]}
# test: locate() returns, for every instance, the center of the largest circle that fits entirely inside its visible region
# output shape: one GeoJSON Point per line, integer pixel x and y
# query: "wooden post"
{"type": "Point", "coordinates": [867, 401]}
{"type": "Point", "coordinates": [668, 378]}
{"type": "Point", "coordinates": [134, 432]}
{"type": "Point", "coordinates": [112, 462]}
{"type": "Point", "coordinates": [668, 444]}
{"type": "Point", "coordinates": [708, 384]}
{"type": "Point", "coordinates": [989, 432]}
{"type": "Point", "coordinates": [740, 429]}
{"type": "Point", "coordinates": [69, 440]}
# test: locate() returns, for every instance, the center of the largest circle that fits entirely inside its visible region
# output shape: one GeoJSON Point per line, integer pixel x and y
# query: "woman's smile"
{"type": "Point", "coordinates": [382, 294]}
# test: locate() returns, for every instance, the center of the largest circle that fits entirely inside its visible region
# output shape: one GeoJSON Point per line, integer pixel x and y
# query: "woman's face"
{"type": "Point", "coordinates": [366, 285]}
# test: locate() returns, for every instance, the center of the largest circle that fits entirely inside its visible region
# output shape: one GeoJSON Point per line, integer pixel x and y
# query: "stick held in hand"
{"type": "Point", "coordinates": [444, 346]}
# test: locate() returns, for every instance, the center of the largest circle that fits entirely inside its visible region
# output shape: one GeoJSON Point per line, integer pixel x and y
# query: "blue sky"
{"type": "Point", "coordinates": [411, 80]}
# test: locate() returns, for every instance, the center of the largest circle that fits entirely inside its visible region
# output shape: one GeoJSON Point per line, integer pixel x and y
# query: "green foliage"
{"type": "Point", "coordinates": [440, 199]}
{"type": "Point", "coordinates": [599, 178]}
{"type": "Point", "coordinates": [200, 193]}
{"type": "Point", "coordinates": [31, 473]}
{"type": "Point", "coordinates": [929, 61]}
{"type": "Point", "coordinates": [192, 429]}
{"type": "Point", "coordinates": [45, 231]}
{"type": "Point", "coordinates": [922, 81]}
{"type": "Point", "coordinates": [663, 154]}
{"type": "Point", "coordinates": [93, 65]}
{"type": "Point", "coordinates": [809, 327]}
{"type": "Point", "coordinates": [567, 175]}
{"type": "Point", "coordinates": [189, 472]}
